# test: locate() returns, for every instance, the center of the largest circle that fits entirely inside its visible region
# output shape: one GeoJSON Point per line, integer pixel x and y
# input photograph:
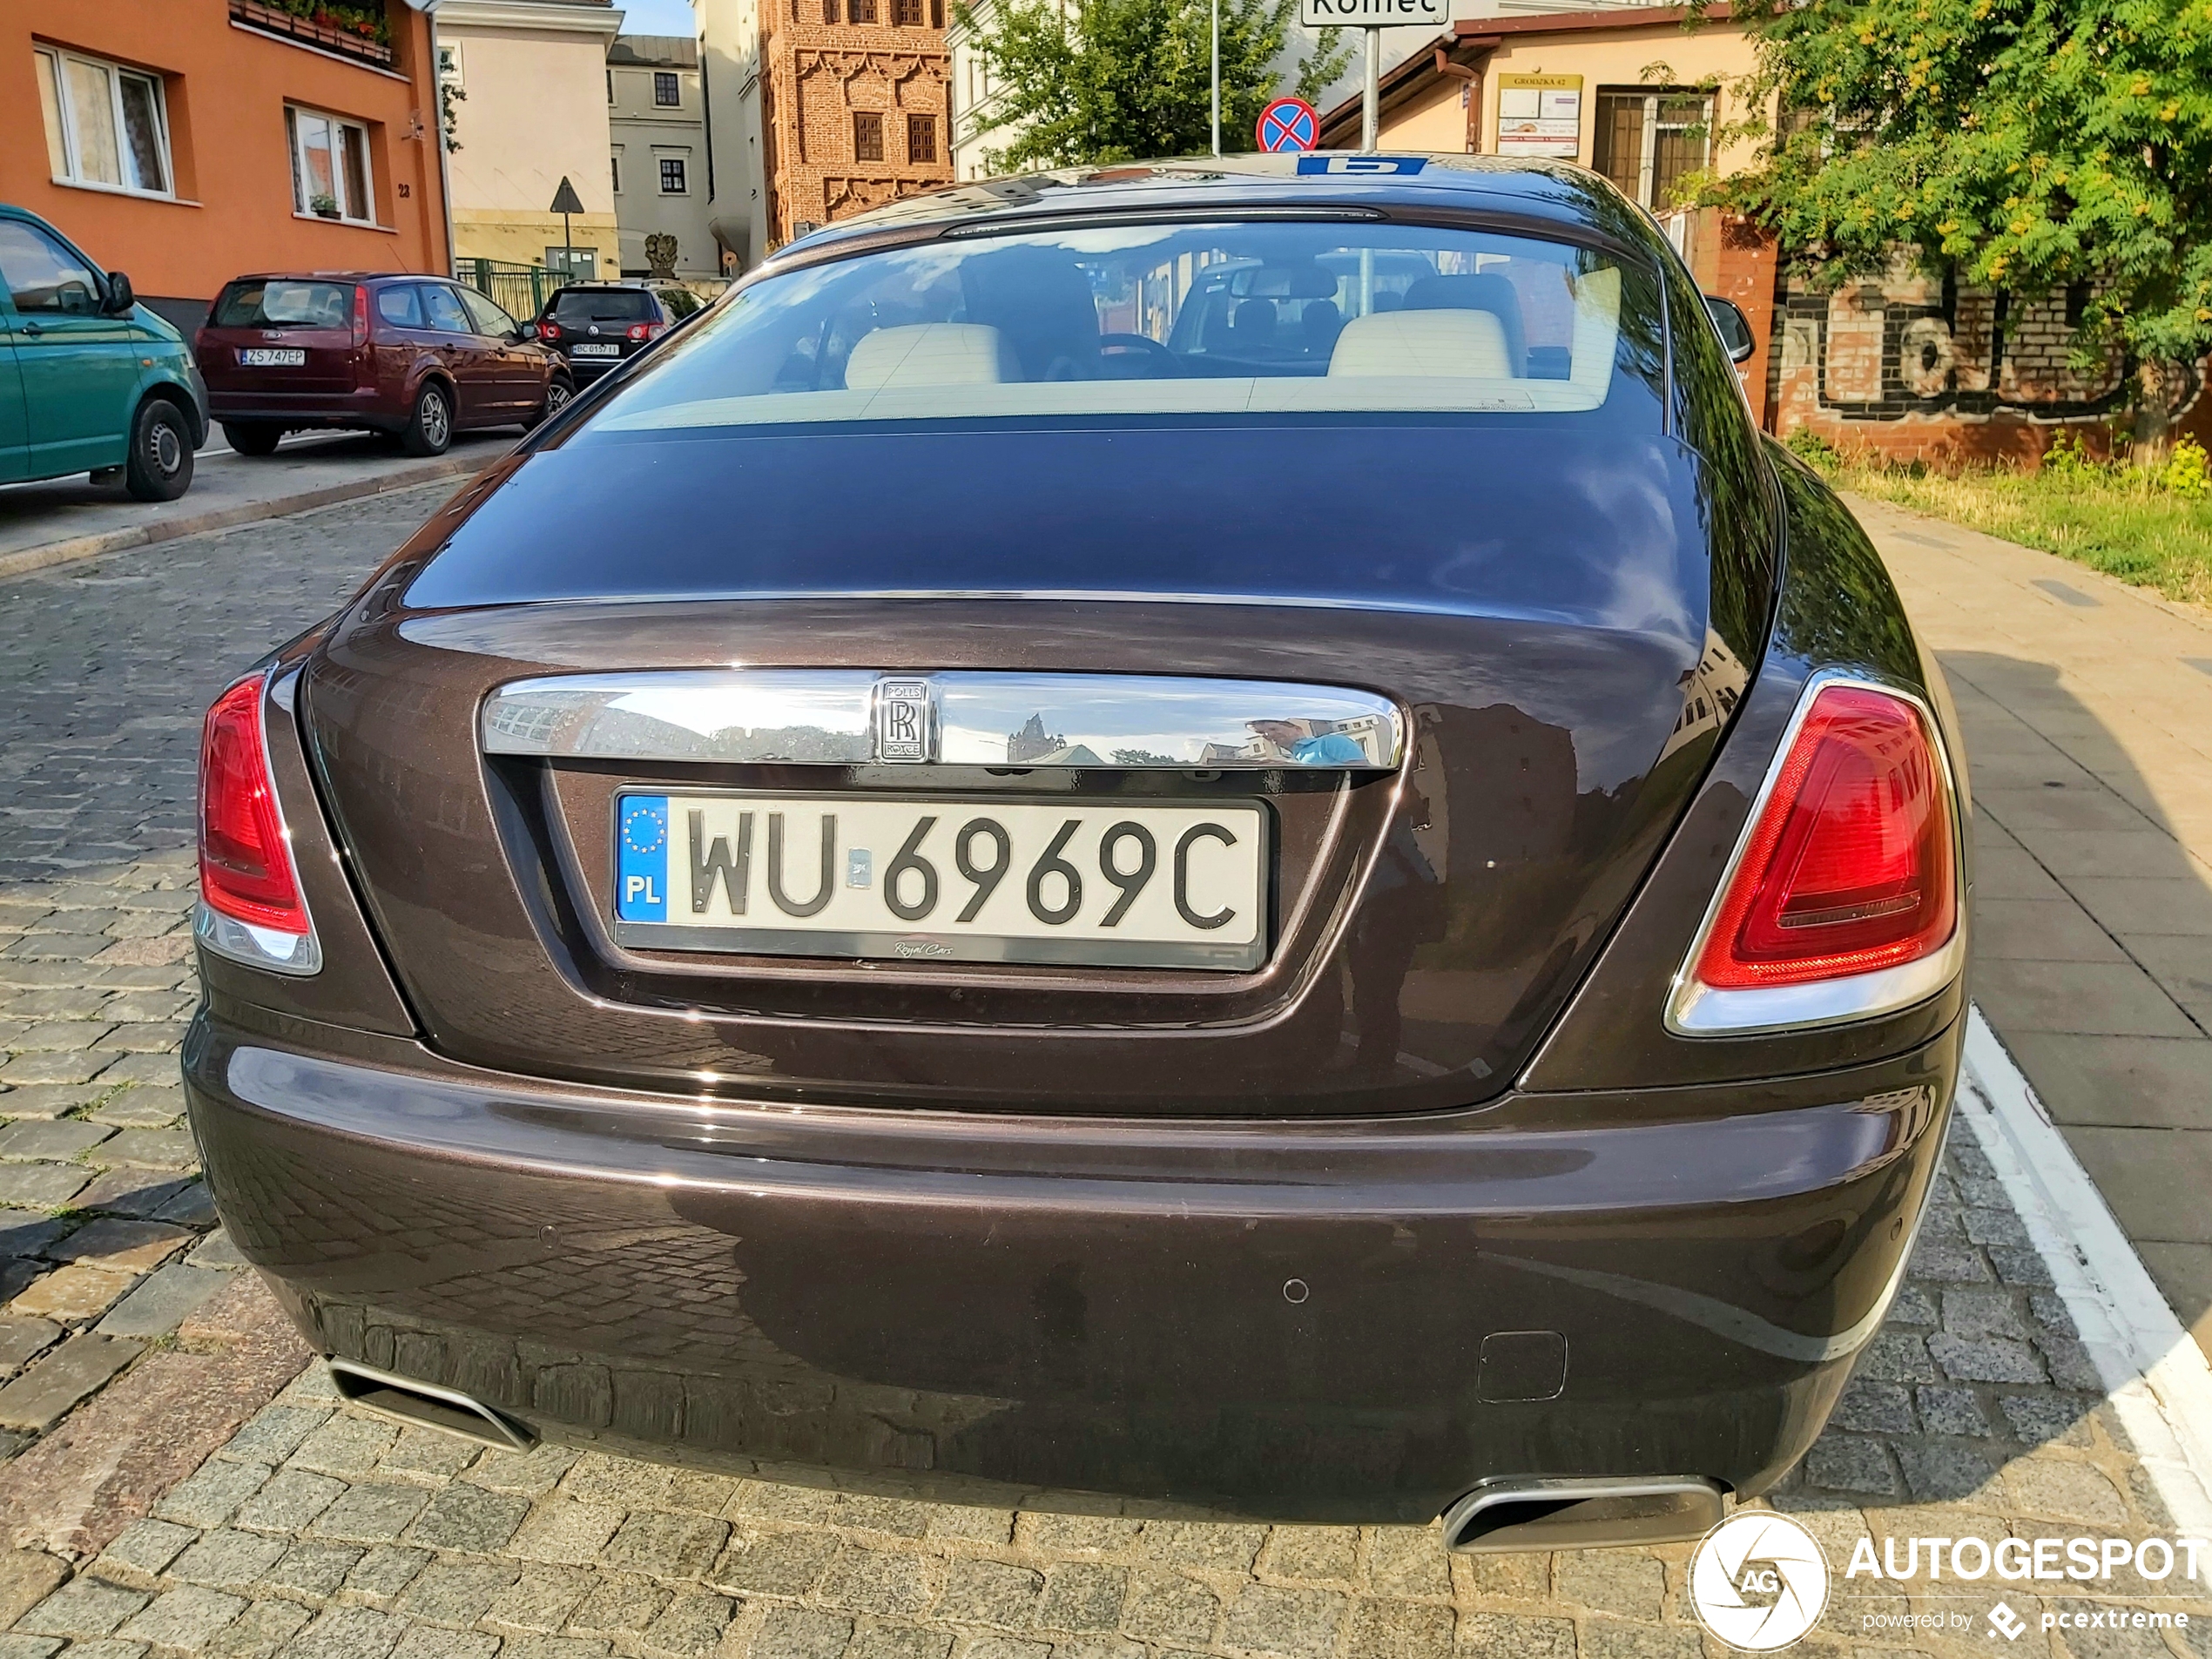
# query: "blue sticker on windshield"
{"type": "Point", "coordinates": [641, 862]}
{"type": "Point", "coordinates": [1368, 165]}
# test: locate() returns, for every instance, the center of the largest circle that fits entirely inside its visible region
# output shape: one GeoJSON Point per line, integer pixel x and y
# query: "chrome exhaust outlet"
{"type": "Point", "coordinates": [409, 1401]}
{"type": "Point", "coordinates": [1510, 1517]}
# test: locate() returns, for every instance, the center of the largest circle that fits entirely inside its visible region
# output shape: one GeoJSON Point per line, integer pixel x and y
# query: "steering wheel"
{"type": "Point", "coordinates": [1141, 343]}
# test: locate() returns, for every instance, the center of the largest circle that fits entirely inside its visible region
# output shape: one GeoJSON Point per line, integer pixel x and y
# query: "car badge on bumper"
{"type": "Point", "coordinates": [906, 721]}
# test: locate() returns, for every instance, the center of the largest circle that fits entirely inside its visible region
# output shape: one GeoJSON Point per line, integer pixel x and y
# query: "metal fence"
{"type": "Point", "coordinates": [518, 289]}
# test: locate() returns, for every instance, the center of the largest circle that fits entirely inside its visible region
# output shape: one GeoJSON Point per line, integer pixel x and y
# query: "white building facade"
{"type": "Point", "coordinates": [659, 167]}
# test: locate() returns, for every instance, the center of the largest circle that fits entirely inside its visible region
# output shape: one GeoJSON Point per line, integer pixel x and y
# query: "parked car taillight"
{"type": "Point", "coordinates": [1849, 874]}
{"type": "Point", "coordinates": [361, 314]}
{"type": "Point", "coordinates": [642, 331]}
{"type": "Point", "coordinates": [549, 330]}
{"type": "Point", "coordinates": [249, 887]}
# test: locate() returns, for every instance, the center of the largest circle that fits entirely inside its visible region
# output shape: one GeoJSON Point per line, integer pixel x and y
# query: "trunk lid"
{"type": "Point", "coordinates": [312, 317]}
{"type": "Point", "coordinates": [1538, 633]}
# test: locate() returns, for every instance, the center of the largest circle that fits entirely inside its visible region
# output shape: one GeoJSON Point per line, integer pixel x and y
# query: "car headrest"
{"type": "Point", "coordinates": [930, 353]}
{"type": "Point", "coordinates": [1461, 345]}
{"type": "Point", "coordinates": [1483, 290]}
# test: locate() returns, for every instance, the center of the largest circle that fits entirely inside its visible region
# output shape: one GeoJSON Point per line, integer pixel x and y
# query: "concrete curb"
{"type": "Point", "coordinates": [23, 560]}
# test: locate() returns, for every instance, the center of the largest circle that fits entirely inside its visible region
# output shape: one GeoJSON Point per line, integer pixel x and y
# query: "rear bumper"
{"type": "Point", "coordinates": [366, 408]}
{"type": "Point", "coordinates": [1286, 1322]}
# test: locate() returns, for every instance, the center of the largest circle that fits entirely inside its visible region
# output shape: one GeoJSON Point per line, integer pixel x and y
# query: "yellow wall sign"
{"type": "Point", "coordinates": [1539, 115]}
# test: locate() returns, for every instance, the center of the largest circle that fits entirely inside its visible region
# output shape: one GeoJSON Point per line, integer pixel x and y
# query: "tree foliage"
{"type": "Point", "coordinates": [2021, 144]}
{"type": "Point", "coordinates": [1097, 81]}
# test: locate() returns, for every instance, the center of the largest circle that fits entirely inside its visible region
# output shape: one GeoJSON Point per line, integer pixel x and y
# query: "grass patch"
{"type": "Point", "coordinates": [2151, 528]}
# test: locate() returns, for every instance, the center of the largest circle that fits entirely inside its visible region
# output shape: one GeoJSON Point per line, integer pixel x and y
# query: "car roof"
{"type": "Point", "coordinates": [338, 276]}
{"type": "Point", "coordinates": [1571, 198]}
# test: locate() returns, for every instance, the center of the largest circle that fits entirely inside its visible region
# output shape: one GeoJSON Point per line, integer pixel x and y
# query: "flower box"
{"type": "Point", "coordinates": [323, 29]}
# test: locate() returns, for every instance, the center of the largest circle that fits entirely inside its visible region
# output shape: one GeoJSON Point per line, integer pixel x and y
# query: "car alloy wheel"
{"type": "Point", "coordinates": [160, 463]}
{"type": "Point", "coordinates": [431, 429]}
{"type": "Point", "coordinates": [558, 395]}
{"type": "Point", "coordinates": [437, 424]}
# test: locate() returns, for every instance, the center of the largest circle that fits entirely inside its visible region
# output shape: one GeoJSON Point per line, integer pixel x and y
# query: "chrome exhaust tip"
{"type": "Point", "coordinates": [407, 1400]}
{"type": "Point", "coordinates": [1593, 1512]}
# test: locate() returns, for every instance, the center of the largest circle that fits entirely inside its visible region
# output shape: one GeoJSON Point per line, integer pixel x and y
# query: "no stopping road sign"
{"type": "Point", "coordinates": [1289, 124]}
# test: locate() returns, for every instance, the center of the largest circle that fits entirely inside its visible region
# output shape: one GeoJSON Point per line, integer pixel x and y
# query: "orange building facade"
{"type": "Point", "coordinates": [855, 113]}
{"type": "Point", "coordinates": [187, 141]}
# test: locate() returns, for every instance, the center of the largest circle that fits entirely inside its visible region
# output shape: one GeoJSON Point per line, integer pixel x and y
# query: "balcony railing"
{"type": "Point", "coordinates": [355, 29]}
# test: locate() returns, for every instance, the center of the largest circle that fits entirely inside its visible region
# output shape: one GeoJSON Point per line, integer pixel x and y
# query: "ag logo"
{"type": "Point", "coordinates": [1758, 1581]}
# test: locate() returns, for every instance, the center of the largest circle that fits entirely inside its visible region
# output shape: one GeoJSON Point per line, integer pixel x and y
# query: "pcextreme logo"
{"type": "Point", "coordinates": [1758, 1581]}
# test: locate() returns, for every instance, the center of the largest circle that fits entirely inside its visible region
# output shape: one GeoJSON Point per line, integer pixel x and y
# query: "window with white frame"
{"type": "Point", "coordinates": [331, 177]}
{"type": "Point", "coordinates": [107, 128]}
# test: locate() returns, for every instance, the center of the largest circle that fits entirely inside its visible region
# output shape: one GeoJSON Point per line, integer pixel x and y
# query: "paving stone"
{"type": "Point", "coordinates": [74, 1066]}
{"type": "Point", "coordinates": [971, 1523]}
{"type": "Point", "coordinates": [620, 1606]}
{"type": "Point", "coordinates": [372, 1513]}
{"type": "Point", "coordinates": [121, 1244]}
{"type": "Point", "coordinates": [84, 1607]}
{"type": "Point", "coordinates": [1401, 1631]}
{"type": "Point", "coordinates": [1852, 1463]}
{"type": "Point", "coordinates": [313, 1568]}
{"type": "Point", "coordinates": [290, 1500]}
{"type": "Point", "coordinates": [1166, 1607]}
{"type": "Point", "coordinates": [50, 1139]}
{"type": "Point", "coordinates": [50, 1037]}
{"type": "Point", "coordinates": [1874, 1406]}
{"type": "Point", "coordinates": [228, 1559]}
{"type": "Point", "coordinates": [48, 1387]}
{"type": "Point", "coordinates": [27, 1577]}
{"type": "Point", "coordinates": [1504, 1636]}
{"type": "Point", "coordinates": [563, 1531]}
{"type": "Point", "coordinates": [700, 1492]}
{"type": "Point", "coordinates": [49, 1099]}
{"type": "Point", "coordinates": [155, 1149]}
{"type": "Point", "coordinates": [994, 1594]}
{"type": "Point", "coordinates": [779, 1563]}
{"type": "Point", "coordinates": [692, 1623]}
{"type": "Point", "coordinates": [140, 1107]}
{"type": "Point", "coordinates": [1408, 1561]}
{"type": "Point", "coordinates": [554, 1647]}
{"type": "Point", "coordinates": [41, 1186]}
{"type": "Point", "coordinates": [1312, 1555]}
{"type": "Point", "coordinates": [73, 1294]}
{"type": "Point", "coordinates": [1083, 1596]}
{"type": "Point", "coordinates": [800, 1633]}
{"type": "Point", "coordinates": [28, 1647]}
{"type": "Point", "coordinates": [772, 1500]}
{"type": "Point", "coordinates": [1940, 1474]}
{"type": "Point", "coordinates": [146, 1037]}
{"type": "Point", "coordinates": [144, 1547]}
{"type": "Point", "coordinates": [876, 1638]}
{"type": "Point", "coordinates": [217, 1250]}
{"type": "Point", "coordinates": [469, 1518]}
{"type": "Point", "coordinates": [1294, 1623]}
{"type": "Point", "coordinates": [2041, 1419]}
{"type": "Point", "coordinates": [23, 1338]}
{"type": "Point", "coordinates": [1208, 1547]}
{"type": "Point", "coordinates": [265, 1628]}
{"type": "Point", "coordinates": [22, 1235]}
{"type": "Point", "coordinates": [387, 1570]}
{"type": "Point", "coordinates": [669, 1546]}
{"type": "Point", "coordinates": [422, 1642]}
{"type": "Point", "coordinates": [129, 1192]}
{"type": "Point", "coordinates": [186, 1617]}
{"type": "Point", "coordinates": [2066, 1491]}
{"type": "Point", "coordinates": [456, 1592]}
{"type": "Point", "coordinates": [212, 1494]}
{"type": "Point", "coordinates": [428, 1452]}
{"type": "Point", "coordinates": [1611, 1639]}
{"type": "Point", "coordinates": [1985, 1360]}
{"type": "Point", "coordinates": [540, 1599]}
{"type": "Point", "coordinates": [347, 1633]}
{"type": "Point", "coordinates": [620, 1483]}
{"type": "Point", "coordinates": [349, 1444]}
{"type": "Point", "coordinates": [1079, 1535]}
{"type": "Point", "coordinates": [162, 1302]}
{"type": "Point", "coordinates": [860, 1580]}
{"type": "Point", "coordinates": [531, 1473]}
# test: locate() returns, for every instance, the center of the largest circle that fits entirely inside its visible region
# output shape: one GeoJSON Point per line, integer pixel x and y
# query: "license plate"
{"type": "Point", "coordinates": [1119, 885]}
{"type": "Point", "coordinates": [272, 357]}
{"type": "Point", "coordinates": [597, 350]}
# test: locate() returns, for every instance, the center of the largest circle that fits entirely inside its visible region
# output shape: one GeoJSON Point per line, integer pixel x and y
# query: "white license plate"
{"type": "Point", "coordinates": [1120, 884]}
{"type": "Point", "coordinates": [272, 356]}
{"type": "Point", "coordinates": [597, 350]}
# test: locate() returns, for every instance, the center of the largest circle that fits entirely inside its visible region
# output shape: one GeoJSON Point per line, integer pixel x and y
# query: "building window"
{"type": "Point", "coordinates": [1648, 141]}
{"type": "Point", "coordinates": [908, 14]}
{"type": "Point", "coordinates": [829, 10]}
{"type": "Point", "coordinates": [330, 169]}
{"type": "Point", "coordinates": [106, 126]}
{"type": "Point", "coordinates": [614, 166]}
{"type": "Point", "coordinates": [936, 14]}
{"type": "Point", "coordinates": [867, 136]}
{"type": "Point", "coordinates": [671, 175]}
{"type": "Point", "coordinates": [921, 139]}
{"type": "Point", "coordinates": [610, 86]}
{"type": "Point", "coordinates": [667, 94]}
{"type": "Point", "coordinates": [861, 12]}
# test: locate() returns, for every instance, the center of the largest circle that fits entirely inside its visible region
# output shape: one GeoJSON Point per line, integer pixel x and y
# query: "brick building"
{"type": "Point", "coordinates": [853, 108]}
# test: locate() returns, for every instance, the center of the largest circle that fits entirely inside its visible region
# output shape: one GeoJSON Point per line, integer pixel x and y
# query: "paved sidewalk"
{"type": "Point", "coordinates": [2087, 709]}
{"type": "Point", "coordinates": [66, 519]}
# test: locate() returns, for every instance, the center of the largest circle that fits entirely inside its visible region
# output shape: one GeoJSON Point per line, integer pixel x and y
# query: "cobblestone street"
{"type": "Point", "coordinates": [175, 1482]}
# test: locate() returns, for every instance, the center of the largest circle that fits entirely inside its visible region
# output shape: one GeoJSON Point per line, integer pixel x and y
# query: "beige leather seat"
{"type": "Point", "coordinates": [930, 353]}
{"type": "Point", "coordinates": [1458, 345]}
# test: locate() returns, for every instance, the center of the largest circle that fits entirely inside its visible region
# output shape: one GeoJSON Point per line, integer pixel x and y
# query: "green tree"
{"type": "Point", "coordinates": [2022, 146]}
{"type": "Point", "coordinates": [1099, 81]}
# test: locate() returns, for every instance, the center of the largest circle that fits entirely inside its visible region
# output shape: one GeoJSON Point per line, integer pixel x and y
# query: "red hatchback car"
{"type": "Point", "coordinates": [418, 356]}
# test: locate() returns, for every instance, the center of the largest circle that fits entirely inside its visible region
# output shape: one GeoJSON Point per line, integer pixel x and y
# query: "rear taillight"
{"type": "Point", "coordinates": [360, 315]}
{"type": "Point", "coordinates": [549, 331]}
{"type": "Point", "coordinates": [1843, 901]}
{"type": "Point", "coordinates": [640, 331]}
{"type": "Point", "coordinates": [251, 907]}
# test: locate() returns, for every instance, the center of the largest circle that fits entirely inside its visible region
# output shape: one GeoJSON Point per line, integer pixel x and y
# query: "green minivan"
{"type": "Point", "coordinates": [90, 380]}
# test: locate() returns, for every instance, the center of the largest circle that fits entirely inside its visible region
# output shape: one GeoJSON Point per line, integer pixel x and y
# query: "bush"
{"type": "Point", "coordinates": [1813, 449]}
{"type": "Point", "coordinates": [2188, 470]}
{"type": "Point", "coordinates": [2069, 457]}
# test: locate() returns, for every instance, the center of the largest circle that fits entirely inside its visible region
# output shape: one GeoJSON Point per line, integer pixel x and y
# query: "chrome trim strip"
{"type": "Point", "coordinates": [299, 956]}
{"type": "Point", "coordinates": [1698, 1502]}
{"type": "Point", "coordinates": [1696, 1009]}
{"type": "Point", "coordinates": [499, 1429]}
{"type": "Point", "coordinates": [941, 947]}
{"type": "Point", "coordinates": [1127, 721]}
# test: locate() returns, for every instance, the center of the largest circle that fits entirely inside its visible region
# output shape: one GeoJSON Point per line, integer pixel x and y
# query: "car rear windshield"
{"type": "Point", "coordinates": [281, 302]}
{"type": "Point", "coordinates": [1260, 320]}
{"type": "Point", "coordinates": [603, 304]}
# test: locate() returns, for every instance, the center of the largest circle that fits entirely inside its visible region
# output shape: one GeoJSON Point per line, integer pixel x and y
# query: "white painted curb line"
{"type": "Point", "coordinates": [2154, 1373]}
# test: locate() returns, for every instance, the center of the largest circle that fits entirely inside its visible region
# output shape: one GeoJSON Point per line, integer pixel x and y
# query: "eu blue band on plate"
{"type": "Point", "coordinates": [641, 864]}
{"type": "Point", "coordinates": [1369, 166]}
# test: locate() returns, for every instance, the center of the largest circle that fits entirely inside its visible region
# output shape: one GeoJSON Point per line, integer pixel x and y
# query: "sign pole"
{"type": "Point", "coordinates": [1216, 77]}
{"type": "Point", "coordinates": [1371, 96]}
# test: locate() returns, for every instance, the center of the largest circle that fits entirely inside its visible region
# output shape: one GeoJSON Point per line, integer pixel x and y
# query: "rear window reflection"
{"type": "Point", "coordinates": [1227, 319]}
{"type": "Point", "coordinates": [611, 304]}
{"type": "Point", "coordinates": [279, 304]}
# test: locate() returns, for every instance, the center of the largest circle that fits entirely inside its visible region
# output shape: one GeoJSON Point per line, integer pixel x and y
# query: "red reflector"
{"type": "Point", "coordinates": [245, 863]}
{"type": "Point", "coordinates": [1851, 868]}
